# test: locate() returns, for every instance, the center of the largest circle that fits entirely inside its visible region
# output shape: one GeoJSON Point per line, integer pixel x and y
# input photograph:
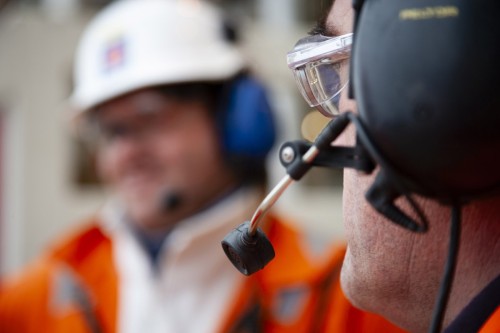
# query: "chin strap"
{"type": "Point", "coordinates": [382, 196]}
{"type": "Point", "coordinates": [449, 270]}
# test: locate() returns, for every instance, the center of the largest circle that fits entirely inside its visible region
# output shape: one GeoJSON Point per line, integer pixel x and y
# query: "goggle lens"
{"type": "Point", "coordinates": [319, 78]}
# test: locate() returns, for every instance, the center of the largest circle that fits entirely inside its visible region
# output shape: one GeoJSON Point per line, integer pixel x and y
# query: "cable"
{"type": "Point", "coordinates": [451, 263]}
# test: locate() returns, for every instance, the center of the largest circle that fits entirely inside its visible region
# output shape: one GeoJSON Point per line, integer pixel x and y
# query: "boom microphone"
{"type": "Point", "coordinates": [170, 201]}
{"type": "Point", "coordinates": [247, 246]}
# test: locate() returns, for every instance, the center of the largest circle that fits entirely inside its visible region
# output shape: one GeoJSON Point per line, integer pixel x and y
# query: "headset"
{"type": "Point", "coordinates": [424, 74]}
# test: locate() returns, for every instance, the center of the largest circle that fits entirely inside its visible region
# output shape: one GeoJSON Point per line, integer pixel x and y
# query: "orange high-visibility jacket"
{"type": "Point", "coordinates": [74, 289]}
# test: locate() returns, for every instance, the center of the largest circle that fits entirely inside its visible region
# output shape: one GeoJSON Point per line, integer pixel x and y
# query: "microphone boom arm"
{"type": "Point", "coordinates": [247, 246]}
{"type": "Point", "coordinates": [278, 190]}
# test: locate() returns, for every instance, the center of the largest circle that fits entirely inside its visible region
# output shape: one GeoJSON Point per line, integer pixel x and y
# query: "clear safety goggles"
{"type": "Point", "coordinates": [316, 65]}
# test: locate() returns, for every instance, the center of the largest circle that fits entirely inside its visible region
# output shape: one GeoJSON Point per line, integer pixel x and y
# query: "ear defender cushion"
{"type": "Point", "coordinates": [248, 128]}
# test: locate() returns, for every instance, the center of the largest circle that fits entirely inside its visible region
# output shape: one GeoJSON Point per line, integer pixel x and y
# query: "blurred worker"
{"type": "Point", "coordinates": [182, 132]}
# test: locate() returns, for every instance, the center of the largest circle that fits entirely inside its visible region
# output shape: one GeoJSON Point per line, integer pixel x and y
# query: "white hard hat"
{"type": "Point", "coordinates": [139, 43]}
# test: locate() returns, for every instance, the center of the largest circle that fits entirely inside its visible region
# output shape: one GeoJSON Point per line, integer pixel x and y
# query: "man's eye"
{"type": "Point", "coordinates": [113, 132]}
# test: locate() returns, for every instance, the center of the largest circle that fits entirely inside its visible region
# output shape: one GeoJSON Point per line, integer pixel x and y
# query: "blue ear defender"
{"type": "Point", "coordinates": [248, 125]}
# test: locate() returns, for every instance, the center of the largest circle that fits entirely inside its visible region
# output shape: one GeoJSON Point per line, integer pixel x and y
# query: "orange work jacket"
{"type": "Point", "coordinates": [74, 288]}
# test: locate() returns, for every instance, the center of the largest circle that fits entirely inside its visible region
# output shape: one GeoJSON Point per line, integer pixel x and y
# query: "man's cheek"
{"type": "Point", "coordinates": [347, 138]}
{"type": "Point", "coordinates": [104, 166]}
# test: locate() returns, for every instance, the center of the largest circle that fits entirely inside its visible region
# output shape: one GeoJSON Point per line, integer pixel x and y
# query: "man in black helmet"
{"type": "Point", "coordinates": [388, 269]}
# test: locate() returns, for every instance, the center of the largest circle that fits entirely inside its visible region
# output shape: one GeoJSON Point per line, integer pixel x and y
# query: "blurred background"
{"type": "Point", "coordinates": [47, 180]}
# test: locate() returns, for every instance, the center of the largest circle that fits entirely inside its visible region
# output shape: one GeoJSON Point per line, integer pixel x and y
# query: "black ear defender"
{"type": "Point", "coordinates": [425, 77]}
{"type": "Point", "coordinates": [424, 74]}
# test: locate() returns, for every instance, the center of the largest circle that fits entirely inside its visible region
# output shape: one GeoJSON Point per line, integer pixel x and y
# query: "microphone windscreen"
{"type": "Point", "coordinates": [170, 201]}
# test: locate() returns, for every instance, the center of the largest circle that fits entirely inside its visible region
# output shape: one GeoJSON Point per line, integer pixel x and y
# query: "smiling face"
{"type": "Point", "coordinates": [154, 146]}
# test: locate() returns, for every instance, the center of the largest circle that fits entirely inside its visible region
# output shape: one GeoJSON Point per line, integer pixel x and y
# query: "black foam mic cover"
{"type": "Point", "coordinates": [171, 200]}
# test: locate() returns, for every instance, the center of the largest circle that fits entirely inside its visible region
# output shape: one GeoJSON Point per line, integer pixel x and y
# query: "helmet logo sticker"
{"type": "Point", "coordinates": [114, 54]}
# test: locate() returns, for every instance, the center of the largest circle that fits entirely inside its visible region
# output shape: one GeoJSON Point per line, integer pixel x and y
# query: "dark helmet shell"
{"type": "Point", "coordinates": [426, 78]}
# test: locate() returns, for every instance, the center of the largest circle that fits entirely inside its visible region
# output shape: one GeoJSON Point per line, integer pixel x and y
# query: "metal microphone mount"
{"type": "Point", "coordinates": [247, 246]}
